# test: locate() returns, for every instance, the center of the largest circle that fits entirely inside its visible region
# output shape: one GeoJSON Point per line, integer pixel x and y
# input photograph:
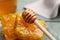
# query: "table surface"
{"type": "Point", "coordinates": [53, 26]}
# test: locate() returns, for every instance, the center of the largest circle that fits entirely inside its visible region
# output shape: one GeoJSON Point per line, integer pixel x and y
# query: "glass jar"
{"type": "Point", "coordinates": [7, 6]}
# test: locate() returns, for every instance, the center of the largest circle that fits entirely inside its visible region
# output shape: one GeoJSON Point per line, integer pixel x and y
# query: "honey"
{"type": "Point", "coordinates": [15, 28]}
{"type": "Point", "coordinates": [7, 6]}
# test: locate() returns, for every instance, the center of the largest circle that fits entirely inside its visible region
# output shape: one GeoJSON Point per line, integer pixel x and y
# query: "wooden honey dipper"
{"type": "Point", "coordinates": [30, 17]}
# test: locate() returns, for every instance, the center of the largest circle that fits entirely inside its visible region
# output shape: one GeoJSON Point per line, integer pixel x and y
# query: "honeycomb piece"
{"type": "Point", "coordinates": [26, 31]}
{"type": "Point", "coordinates": [15, 28]}
{"type": "Point", "coordinates": [8, 25]}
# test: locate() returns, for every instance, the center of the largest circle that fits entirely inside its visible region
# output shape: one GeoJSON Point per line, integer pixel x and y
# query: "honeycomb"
{"type": "Point", "coordinates": [15, 28]}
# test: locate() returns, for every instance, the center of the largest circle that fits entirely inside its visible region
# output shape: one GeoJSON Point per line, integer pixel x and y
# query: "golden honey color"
{"type": "Point", "coordinates": [7, 6]}
{"type": "Point", "coordinates": [15, 28]}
